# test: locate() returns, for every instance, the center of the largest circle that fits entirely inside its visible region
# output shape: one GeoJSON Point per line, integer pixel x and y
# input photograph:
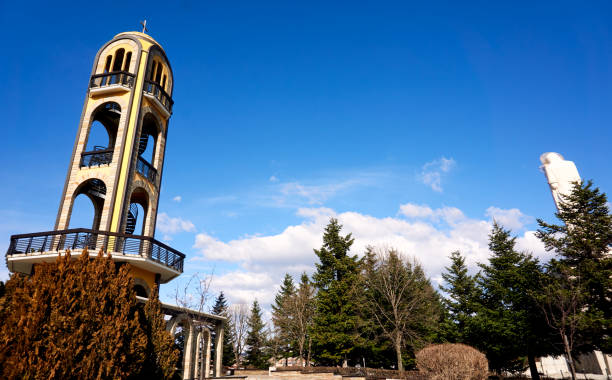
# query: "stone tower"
{"type": "Point", "coordinates": [117, 163]}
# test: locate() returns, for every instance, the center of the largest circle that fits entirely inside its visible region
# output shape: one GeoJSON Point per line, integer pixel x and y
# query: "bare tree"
{"type": "Point", "coordinates": [192, 297]}
{"type": "Point", "coordinates": [239, 316]}
{"type": "Point", "coordinates": [561, 301]}
{"type": "Point", "coordinates": [301, 308]}
{"type": "Point", "coordinates": [195, 293]}
{"type": "Point", "coordinates": [400, 298]}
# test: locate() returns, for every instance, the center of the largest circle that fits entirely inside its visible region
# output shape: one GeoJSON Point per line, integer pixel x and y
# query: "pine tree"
{"type": "Point", "coordinates": [336, 319]}
{"type": "Point", "coordinates": [282, 318]}
{"type": "Point", "coordinates": [510, 321]}
{"type": "Point", "coordinates": [462, 293]}
{"type": "Point", "coordinates": [162, 354]}
{"type": "Point", "coordinates": [256, 342]}
{"type": "Point", "coordinates": [583, 244]}
{"type": "Point", "coordinates": [221, 308]}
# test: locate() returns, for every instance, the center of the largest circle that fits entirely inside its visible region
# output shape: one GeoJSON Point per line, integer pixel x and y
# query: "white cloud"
{"type": "Point", "coordinates": [273, 179]}
{"type": "Point", "coordinates": [177, 199]}
{"type": "Point", "coordinates": [512, 218]}
{"type": "Point", "coordinates": [263, 260]}
{"type": "Point", "coordinates": [433, 171]}
{"type": "Point", "coordinates": [169, 225]}
{"type": "Point", "coordinates": [245, 287]}
{"type": "Point", "coordinates": [448, 214]}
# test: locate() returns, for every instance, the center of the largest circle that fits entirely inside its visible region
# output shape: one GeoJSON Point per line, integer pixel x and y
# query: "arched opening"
{"type": "Point", "coordinates": [158, 74]}
{"type": "Point", "coordinates": [81, 215]}
{"type": "Point", "coordinates": [148, 139]}
{"type": "Point", "coordinates": [101, 135]}
{"type": "Point", "coordinates": [118, 60]}
{"type": "Point", "coordinates": [128, 58]}
{"type": "Point", "coordinates": [137, 212]}
{"type": "Point", "coordinates": [107, 65]}
{"type": "Point", "coordinates": [147, 148]}
{"type": "Point", "coordinates": [152, 70]}
{"type": "Point", "coordinates": [181, 332]}
{"type": "Point", "coordinates": [98, 138]}
{"type": "Point", "coordinates": [140, 291]}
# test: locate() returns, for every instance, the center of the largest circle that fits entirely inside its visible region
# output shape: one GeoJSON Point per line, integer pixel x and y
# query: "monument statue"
{"type": "Point", "coordinates": [560, 173]}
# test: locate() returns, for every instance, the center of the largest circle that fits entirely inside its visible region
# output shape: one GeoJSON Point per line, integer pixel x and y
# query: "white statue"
{"type": "Point", "coordinates": [560, 174]}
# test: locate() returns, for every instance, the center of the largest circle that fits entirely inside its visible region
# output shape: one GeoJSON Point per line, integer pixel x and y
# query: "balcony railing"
{"type": "Point", "coordinates": [81, 238]}
{"type": "Point", "coordinates": [122, 78]}
{"type": "Point", "coordinates": [158, 92]}
{"type": "Point", "coordinates": [146, 169]}
{"type": "Point", "coordinates": [96, 157]}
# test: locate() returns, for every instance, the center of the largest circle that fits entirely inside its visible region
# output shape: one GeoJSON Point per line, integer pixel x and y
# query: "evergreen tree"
{"type": "Point", "coordinates": [221, 308]}
{"type": "Point", "coordinates": [462, 293]}
{"type": "Point", "coordinates": [256, 342]}
{"type": "Point", "coordinates": [336, 319]}
{"type": "Point", "coordinates": [162, 355]}
{"type": "Point", "coordinates": [510, 321]}
{"type": "Point", "coordinates": [79, 319]}
{"type": "Point", "coordinates": [583, 243]}
{"type": "Point", "coordinates": [282, 317]}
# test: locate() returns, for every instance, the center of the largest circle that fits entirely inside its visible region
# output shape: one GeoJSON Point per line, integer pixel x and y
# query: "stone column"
{"type": "Point", "coordinates": [218, 348]}
{"type": "Point", "coordinates": [188, 354]}
{"type": "Point", "coordinates": [207, 358]}
{"type": "Point", "coordinates": [198, 353]}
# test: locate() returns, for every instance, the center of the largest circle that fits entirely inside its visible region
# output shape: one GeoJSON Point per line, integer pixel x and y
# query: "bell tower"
{"type": "Point", "coordinates": [117, 162]}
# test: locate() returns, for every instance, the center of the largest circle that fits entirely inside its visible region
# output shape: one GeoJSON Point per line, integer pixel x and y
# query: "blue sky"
{"type": "Point", "coordinates": [415, 124]}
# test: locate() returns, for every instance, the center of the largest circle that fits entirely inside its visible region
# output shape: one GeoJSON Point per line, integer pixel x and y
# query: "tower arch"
{"type": "Point", "coordinates": [95, 190]}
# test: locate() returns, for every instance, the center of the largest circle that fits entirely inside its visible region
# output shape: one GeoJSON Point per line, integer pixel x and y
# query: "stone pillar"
{"type": "Point", "coordinates": [207, 357]}
{"type": "Point", "coordinates": [198, 353]}
{"type": "Point", "coordinates": [218, 348]}
{"type": "Point", "coordinates": [188, 362]}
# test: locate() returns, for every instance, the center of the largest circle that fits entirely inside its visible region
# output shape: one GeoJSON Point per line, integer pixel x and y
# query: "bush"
{"type": "Point", "coordinates": [79, 319]}
{"type": "Point", "coordinates": [452, 362]}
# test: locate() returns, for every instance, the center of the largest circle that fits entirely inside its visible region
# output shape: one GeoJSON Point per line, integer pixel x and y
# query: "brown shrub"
{"type": "Point", "coordinates": [452, 362]}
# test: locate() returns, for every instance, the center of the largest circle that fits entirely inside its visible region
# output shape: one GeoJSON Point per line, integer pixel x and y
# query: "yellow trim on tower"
{"type": "Point", "coordinates": [127, 153]}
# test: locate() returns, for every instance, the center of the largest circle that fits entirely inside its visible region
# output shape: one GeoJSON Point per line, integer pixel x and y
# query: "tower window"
{"type": "Point", "coordinates": [128, 58]}
{"type": "Point", "coordinates": [118, 60]}
{"type": "Point", "coordinates": [163, 83]}
{"type": "Point", "coordinates": [108, 63]}
{"type": "Point", "coordinates": [153, 70]}
{"type": "Point", "coordinates": [159, 73]}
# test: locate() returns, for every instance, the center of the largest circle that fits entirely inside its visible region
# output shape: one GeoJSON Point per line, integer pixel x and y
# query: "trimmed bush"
{"type": "Point", "coordinates": [451, 361]}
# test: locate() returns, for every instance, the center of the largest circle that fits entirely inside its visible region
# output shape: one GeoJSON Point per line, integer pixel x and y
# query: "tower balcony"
{"type": "Point", "coordinates": [160, 98]}
{"type": "Point", "coordinates": [99, 156]}
{"type": "Point", "coordinates": [146, 169]}
{"type": "Point", "coordinates": [116, 81]}
{"type": "Point", "coordinates": [140, 251]}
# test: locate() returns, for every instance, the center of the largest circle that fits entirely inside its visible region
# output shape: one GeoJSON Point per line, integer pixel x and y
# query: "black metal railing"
{"type": "Point", "coordinates": [122, 78]}
{"type": "Point", "coordinates": [146, 169]}
{"type": "Point", "coordinates": [96, 157]}
{"type": "Point", "coordinates": [158, 92]}
{"type": "Point", "coordinates": [81, 238]}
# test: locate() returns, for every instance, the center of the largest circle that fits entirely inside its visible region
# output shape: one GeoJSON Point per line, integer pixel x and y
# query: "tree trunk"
{"type": "Point", "coordinates": [301, 351]}
{"type": "Point", "coordinates": [309, 349]}
{"type": "Point", "coordinates": [398, 351]}
{"type": "Point", "coordinates": [532, 366]}
{"type": "Point", "coordinates": [568, 352]}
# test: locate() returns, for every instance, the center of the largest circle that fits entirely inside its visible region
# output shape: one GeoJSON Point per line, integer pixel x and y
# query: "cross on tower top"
{"type": "Point", "coordinates": [144, 26]}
